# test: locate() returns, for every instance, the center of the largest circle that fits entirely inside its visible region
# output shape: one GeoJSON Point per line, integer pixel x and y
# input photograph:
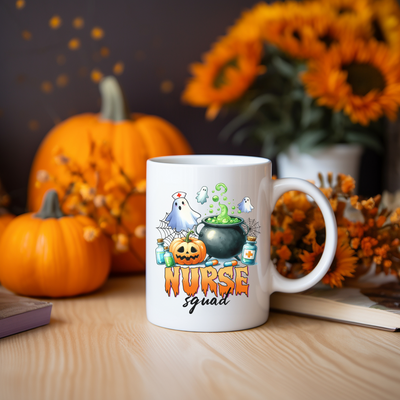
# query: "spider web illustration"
{"type": "Point", "coordinates": [169, 234]}
{"type": "Point", "coordinates": [254, 227]}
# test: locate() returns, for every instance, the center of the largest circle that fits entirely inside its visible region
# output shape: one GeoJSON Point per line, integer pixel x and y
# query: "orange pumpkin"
{"type": "Point", "coordinates": [46, 254]}
{"type": "Point", "coordinates": [187, 250]}
{"type": "Point", "coordinates": [133, 139]}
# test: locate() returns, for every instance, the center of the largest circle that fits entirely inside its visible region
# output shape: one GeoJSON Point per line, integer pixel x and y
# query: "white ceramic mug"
{"type": "Point", "coordinates": [208, 223]}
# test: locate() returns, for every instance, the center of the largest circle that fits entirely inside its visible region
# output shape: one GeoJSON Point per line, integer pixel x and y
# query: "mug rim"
{"type": "Point", "coordinates": [211, 160]}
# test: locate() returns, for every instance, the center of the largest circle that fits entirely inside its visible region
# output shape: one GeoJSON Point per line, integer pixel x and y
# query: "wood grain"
{"type": "Point", "coordinates": [101, 346]}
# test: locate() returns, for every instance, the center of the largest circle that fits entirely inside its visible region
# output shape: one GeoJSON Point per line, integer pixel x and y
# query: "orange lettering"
{"type": "Point", "coordinates": [241, 281]}
{"type": "Point", "coordinates": [208, 274]}
{"type": "Point", "coordinates": [190, 280]}
{"type": "Point", "coordinates": [172, 280]}
{"type": "Point", "coordinates": [225, 275]}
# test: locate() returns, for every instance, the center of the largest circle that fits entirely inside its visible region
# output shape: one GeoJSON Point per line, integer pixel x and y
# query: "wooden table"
{"type": "Point", "coordinates": [101, 346]}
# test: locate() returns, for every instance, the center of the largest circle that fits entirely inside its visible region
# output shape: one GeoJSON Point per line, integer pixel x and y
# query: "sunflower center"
{"type": "Point", "coordinates": [296, 35]}
{"type": "Point", "coordinates": [363, 78]}
{"type": "Point", "coordinates": [327, 40]}
{"type": "Point", "coordinates": [345, 10]}
{"type": "Point", "coordinates": [378, 32]}
{"type": "Point", "coordinates": [220, 78]}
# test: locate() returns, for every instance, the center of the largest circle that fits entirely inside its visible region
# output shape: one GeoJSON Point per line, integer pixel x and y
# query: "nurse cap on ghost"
{"type": "Point", "coordinates": [181, 217]}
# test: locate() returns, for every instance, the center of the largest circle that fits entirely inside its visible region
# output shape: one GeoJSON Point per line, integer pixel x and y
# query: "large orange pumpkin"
{"type": "Point", "coordinates": [188, 250]}
{"type": "Point", "coordinates": [46, 254]}
{"type": "Point", "coordinates": [133, 139]}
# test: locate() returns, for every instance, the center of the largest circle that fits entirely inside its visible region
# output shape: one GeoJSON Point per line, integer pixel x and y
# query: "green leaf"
{"type": "Point", "coordinates": [313, 116]}
{"type": "Point", "coordinates": [240, 135]}
{"type": "Point", "coordinates": [309, 139]}
{"type": "Point", "coordinates": [284, 68]}
{"type": "Point", "coordinates": [247, 115]}
{"type": "Point", "coordinates": [364, 139]}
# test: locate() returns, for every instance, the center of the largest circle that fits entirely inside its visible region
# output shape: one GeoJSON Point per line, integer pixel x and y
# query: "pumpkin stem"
{"type": "Point", "coordinates": [50, 206]}
{"type": "Point", "coordinates": [113, 103]}
{"type": "Point", "coordinates": [187, 239]}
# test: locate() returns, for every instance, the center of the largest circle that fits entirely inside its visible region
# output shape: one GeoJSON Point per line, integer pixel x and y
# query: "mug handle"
{"type": "Point", "coordinates": [282, 284]}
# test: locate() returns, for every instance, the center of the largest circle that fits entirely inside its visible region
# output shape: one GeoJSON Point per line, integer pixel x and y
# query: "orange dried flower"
{"type": "Point", "coordinates": [121, 242]}
{"type": "Point", "coordinates": [354, 200]}
{"type": "Point", "coordinates": [368, 204]}
{"type": "Point", "coordinates": [276, 238]}
{"type": "Point", "coordinates": [395, 217]}
{"type": "Point", "coordinates": [140, 231]}
{"type": "Point", "coordinates": [387, 263]}
{"type": "Point", "coordinates": [298, 215]}
{"type": "Point", "coordinates": [284, 253]}
{"type": "Point", "coordinates": [367, 244]}
{"type": "Point", "coordinates": [348, 184]}
{"type": "Point", "coordinates": [327, 192]}
{"type": "Point", "coordinates": [310, 237]}
{"type": "Point", "coordinates": [355, 243]}
{"type": "Point", "coordinates": [310, 260]}
{"type": "Point", "coordinates": [90, 233]}
{"type": "Point", "coordinates": [375, 238]}
{"type": "Point", "coordinates": [377, 260]}
{"type": "Point", "coordinates": [334, 203]}
{"type": "Point", "coordinates": [380, 221]}
{"type": "Point", "coordinates": [286, 222]}
{"type": "Point", "coordinates": [287, 236]}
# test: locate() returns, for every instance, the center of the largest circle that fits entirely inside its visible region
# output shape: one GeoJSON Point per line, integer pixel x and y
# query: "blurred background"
{"type": "Point", "coordinates": [55, 52]}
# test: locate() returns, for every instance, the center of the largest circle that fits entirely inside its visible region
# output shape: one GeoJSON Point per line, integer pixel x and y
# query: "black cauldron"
{"type": "Point", "coordinates": [222, 241]}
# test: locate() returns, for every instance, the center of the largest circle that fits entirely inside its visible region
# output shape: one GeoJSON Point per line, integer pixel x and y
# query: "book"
{"type": "Point", "coordinates": [372, 301]}
{"type": "Point", "coordinates": [18, 314]}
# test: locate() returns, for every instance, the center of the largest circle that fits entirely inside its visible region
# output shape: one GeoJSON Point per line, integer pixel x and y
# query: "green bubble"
{"type": "Point", "coordinates": [213, 191]}
{"type": "Point", "coordinates": [239, 212]}
{"type": "Point", "coordinates": [233, 207]}
{"type": "Point", "coordinates": [215, 198]}
{"type": "Point", "coordinates": [229, 202]}
{"type": "Point", "coordinates": [233, 212]}
{"type": "Point", "coordinates": [211, 205]}
{"type": "Point", "coordinates": [218, 209]}
{"type": "Point", "coordinates": [225, 198]}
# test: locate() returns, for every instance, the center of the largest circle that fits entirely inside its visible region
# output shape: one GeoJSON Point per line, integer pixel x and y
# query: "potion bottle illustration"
{"type": "Point", "coordinates": [160, 252]}
{"type": "Point", "coordinates": [168, 258]}
{"type": "Point", "coordinates": [249, 251]}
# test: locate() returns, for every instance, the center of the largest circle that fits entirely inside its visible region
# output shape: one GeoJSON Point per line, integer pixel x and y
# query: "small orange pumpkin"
{"type": "Point", "coordinates": [133, 139]}
{"type": "Point", "coordinates": [187, 250]}
{"type": "Point", "coordinates": [46, 254]}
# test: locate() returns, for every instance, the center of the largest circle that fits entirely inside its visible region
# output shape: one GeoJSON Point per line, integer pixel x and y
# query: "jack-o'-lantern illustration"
{"type": "Point", "coordinates": [188, 250]}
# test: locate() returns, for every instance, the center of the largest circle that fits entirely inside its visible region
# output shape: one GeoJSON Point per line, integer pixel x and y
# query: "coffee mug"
{"type": "Point", "coordinates": [208, 222]}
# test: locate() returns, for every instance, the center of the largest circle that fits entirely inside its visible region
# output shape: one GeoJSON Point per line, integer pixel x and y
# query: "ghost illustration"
{"type": "Point", "coordinates": [181, 217]}
{"type": "Point", "coordinates": [202, 195]}
{"type": "Point", "coordinates": [245, 205]}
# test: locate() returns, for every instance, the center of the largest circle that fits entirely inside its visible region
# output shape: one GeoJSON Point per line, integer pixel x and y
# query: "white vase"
{"type": "Point", "coordinates": [338, 158]}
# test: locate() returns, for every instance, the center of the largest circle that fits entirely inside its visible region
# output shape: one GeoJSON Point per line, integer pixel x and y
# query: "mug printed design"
{"type": "Point", "coordinates": [208, 250]}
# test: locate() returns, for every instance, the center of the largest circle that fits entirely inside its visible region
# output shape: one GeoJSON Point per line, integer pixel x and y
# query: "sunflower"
{"type": "Point", "coordinates": [251, 23]}
{"type": "Point", "coordinates": [344, 263]}
{"type": "Point", "coordinates": [225, 74]}
{"type": "Point", "coordinates": [360, 78]}
{"type": "Point", "coordinates": [307, 31]}
{"type": "Point", "coordinates": [349, 11]}
{"type": "Point", "coordinates": [385, 22]}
